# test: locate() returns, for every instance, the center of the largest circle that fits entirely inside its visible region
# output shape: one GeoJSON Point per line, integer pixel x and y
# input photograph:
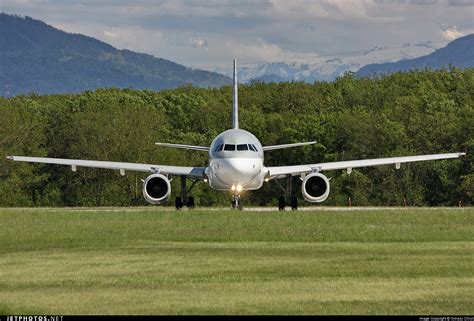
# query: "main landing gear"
{"type": "Point", "coordinates": [288, 191]}
{"type": "Point", "coordinates": [179, 203]}
{"type": "Point", "coordinates": [184, 199]}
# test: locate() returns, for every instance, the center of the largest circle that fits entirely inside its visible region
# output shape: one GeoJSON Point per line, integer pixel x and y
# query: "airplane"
{"type": "Point", "coordinates": [236, 164]}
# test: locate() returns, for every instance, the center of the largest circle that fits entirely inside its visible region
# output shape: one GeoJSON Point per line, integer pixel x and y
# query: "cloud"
{"type": "Point", "coordinates": [451, 33]}
{"type": "Point", "coordinates": [198, 42]}
{"type": "Point", "coordinates": [133, 38]}
{"type": "Point", "coordinates": [463, 3]}
{"type": "Point", "coordinates": [424, 2]}
{"type": "Point", "coordinates": [197, 32]}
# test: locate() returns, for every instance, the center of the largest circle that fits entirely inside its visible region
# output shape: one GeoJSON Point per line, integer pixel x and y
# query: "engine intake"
{"type": "Point", "coordinates": [315, 188]}
{"type": "Point", "coordinates": [156, 189]}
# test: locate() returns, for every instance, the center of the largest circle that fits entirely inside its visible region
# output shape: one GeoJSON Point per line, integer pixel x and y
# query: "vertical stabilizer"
{"type": "Point", "coordinates": [235, 108]}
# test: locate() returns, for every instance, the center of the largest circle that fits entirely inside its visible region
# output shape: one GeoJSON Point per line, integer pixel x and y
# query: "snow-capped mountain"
{"type": "Point", "coordinates": [329, 67]}
{"type": "Point", "coordinates": [458, 53]}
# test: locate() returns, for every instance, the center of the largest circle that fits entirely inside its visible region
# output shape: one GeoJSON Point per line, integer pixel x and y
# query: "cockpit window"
{"type": "Point", "coordinates": [232, 147]}
{"type": "Point", "coordinates": [229, 147]}
{"type": "Point", "coordinates": [242, 147]}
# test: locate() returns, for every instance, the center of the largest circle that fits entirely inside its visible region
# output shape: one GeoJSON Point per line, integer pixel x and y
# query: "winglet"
{"type": "Point", "coordinates": [235, 108]}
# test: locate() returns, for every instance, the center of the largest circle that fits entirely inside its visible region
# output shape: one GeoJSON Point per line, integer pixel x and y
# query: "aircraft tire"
{"type": "Point", "coordinates": [294, 203]}
{"type": "Point", "coordinates": [190, 203]}
{"type": "Point", "coordinates": [281, 203]}
{"type": "Point", "coordinates": [178, 203]}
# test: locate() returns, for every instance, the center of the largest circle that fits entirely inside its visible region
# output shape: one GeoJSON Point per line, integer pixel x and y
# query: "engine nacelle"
{"type": "Point", "coordinates": [315, 188]}
{"type": "Point", "coordinates": [156, 189]}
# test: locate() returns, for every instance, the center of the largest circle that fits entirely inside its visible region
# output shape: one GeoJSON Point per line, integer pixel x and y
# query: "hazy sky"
{"type": "Point", "coordinates": [199, 32]}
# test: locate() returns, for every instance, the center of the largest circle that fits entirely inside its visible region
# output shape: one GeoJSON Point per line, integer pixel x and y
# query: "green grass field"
{"type": "Point", "coordinates": [155, 261]}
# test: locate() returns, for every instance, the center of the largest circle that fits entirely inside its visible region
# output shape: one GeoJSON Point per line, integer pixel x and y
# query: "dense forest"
{"type": "Point", "coordinates": [419, 112]}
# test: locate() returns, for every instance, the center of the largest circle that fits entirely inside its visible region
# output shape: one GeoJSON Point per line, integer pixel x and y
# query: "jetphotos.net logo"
{"type": "Point", "coordinates": [33, 318]}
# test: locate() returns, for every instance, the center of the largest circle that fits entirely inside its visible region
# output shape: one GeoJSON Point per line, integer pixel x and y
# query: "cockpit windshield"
{"type": "Point", "coordinates": [229, 147]}
{"type": "Point", "coordinates": [242, 147]}
{"type": "Point", "coordinates": [232, 147]}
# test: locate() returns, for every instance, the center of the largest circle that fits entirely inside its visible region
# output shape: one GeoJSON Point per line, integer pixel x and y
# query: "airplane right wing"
{"type": "Point", "coordinates": [281, 171]}
{"type": "Point", "coordinates": [192, 147]}
{"type": "Point", "coordinates": [197, 172]}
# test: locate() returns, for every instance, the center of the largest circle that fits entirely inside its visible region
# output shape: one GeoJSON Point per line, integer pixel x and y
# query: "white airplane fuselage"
{"type": "Point", "coordinates": [236, 162]}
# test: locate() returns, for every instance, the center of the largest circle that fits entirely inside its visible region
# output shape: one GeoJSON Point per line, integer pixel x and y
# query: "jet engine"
{"type": "Point", "coordinates": [315, 188]}
{"type": "Point", "coordinates": [156, 189]}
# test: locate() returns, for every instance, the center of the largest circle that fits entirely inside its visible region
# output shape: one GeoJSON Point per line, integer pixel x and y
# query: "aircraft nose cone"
{"type": "Point", "coordinates": [243, 166]}
{"type": "Point", "coordinates": [238, 170]}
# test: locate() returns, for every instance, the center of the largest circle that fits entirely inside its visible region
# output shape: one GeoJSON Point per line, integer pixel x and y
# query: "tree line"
{"type": "Point", "coordinates": [419, 112]}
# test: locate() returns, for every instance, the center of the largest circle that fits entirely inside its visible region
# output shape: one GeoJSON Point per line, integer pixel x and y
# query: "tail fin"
{"type": "Point", "coordinates": [235, 108]}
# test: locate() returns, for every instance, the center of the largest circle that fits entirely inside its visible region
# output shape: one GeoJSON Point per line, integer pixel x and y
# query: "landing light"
{"type": "Point", "coordinates": [233, 188]}
{"type": "Point", "coordinates": [239, 188]}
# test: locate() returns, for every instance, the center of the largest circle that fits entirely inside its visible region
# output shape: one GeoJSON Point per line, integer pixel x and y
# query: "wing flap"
{"type": "Point", "coordinates": [136, 167]}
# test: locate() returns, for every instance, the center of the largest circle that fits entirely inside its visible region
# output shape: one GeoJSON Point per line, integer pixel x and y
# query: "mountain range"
{"type": "Point", "coordinates": [378, 60]}
{"type": "Point", "coordinates": [458, 53]}
{"type": "Point", "coordinates": [35, 57]}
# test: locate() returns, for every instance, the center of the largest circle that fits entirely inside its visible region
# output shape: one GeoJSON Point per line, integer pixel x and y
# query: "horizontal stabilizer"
{"type": "Point", "coordinates": [265, 148]}
{"type": "Point", "coordinates": [203, 148]}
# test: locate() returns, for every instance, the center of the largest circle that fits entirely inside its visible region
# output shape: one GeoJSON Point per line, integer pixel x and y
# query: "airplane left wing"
{"type": "Point", "coordinates": [122, 167]}
{"type": "Point", "coordinates": [279, 171]}
{"type": "Point", "coordinates": [273, 147]}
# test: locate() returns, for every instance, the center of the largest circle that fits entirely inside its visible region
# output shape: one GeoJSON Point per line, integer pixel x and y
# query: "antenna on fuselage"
{"type": "Point", "coordinates": [235, 108]}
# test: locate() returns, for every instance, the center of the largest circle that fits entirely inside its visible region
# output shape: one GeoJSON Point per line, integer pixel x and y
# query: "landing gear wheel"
{"type": "Point", "coordinates": [236, 203]}
{"type": "Point", "coordinates": [281, 203]}
{"type": "Point", "coordinates": [178, 203]}
{"type": "Point", "coordinates": [294, 203]}
{"type": "Point", "coordinates": [190, 203]}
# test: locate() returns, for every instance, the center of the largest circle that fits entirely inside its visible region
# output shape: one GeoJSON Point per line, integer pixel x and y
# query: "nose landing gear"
{"type": "Point", "coordinates": [236, 203]}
